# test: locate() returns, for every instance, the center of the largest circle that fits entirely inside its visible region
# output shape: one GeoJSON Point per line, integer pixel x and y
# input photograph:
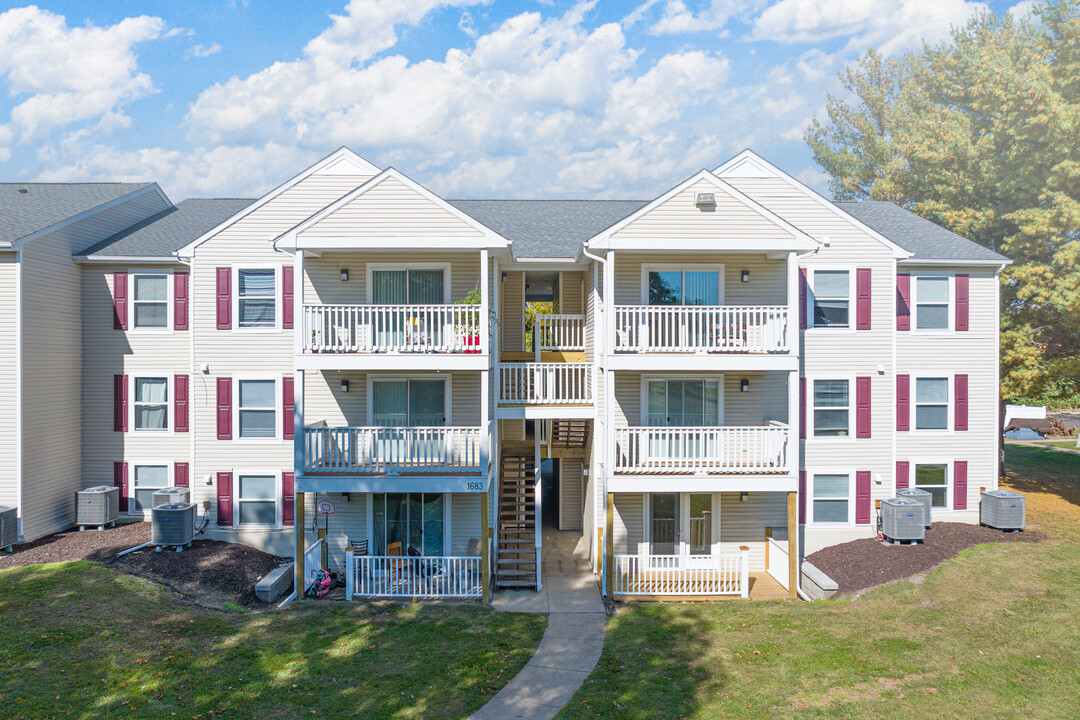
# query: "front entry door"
{"type": "Point", "coordinates": [664, 519]}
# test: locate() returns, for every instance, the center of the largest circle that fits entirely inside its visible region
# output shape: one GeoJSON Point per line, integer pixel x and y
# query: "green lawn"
{"type": "Point", "coordinates": [992, 634]}
{"type": "Point", "coordinates": [1059, 443]}
{"type": "Point", "coordinates": [82, 641]}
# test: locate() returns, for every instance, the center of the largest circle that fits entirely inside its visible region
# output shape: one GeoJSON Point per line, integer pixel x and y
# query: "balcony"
{"type": "Point", "coordinates": [545, 383]}
{"type": "Point", "coordinates": [682, 575]}
{"type": "Point", "coordinates": [702, 450]}
{"type": "Point", "coordinates": [702, 329]}
{"type": "Point", "coordinates": [392, 450]}
{"type": "Point", "coordinates": [391, 329]}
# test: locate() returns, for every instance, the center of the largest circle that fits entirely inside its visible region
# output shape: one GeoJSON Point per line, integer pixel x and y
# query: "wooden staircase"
{"type": "Point", "coordinates": [569, 434]}
{"type": "Point", "coordinates": [515, 551]}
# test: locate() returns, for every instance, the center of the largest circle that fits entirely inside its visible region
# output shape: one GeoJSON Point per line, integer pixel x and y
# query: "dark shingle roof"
{"type": "Point", "coordinates": [163, 234]}
{"type": "Point", "coordinates": [548, 228]}
{"type": "Point", "coordinates": [46, 204]}
{"type": "Point", "coordinates": [926, 239]}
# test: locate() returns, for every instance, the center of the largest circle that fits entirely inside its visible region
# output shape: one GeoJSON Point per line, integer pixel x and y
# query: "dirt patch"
{"type": "Point", "coordinates": [866, 563]}
{"type": "Point", "coordinates": [862, 692]}
{"type": "Point", "coordinates": [210, 572]}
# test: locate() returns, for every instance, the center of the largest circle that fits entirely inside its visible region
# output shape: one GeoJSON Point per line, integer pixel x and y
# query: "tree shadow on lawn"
{"type": "Point", "coordinates": [1050, 478]}
{"type": "Point", "coordinates": [82, 641]}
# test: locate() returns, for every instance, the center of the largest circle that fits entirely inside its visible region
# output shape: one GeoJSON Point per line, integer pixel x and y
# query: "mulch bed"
{"type": "Point", "coordinates": [866, 563]}
{"type": "Point", "coordinates": [210, 572]}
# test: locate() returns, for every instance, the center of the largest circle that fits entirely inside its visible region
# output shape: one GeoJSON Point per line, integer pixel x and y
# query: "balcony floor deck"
{"type": "Point", "coordinates": [763, 586]}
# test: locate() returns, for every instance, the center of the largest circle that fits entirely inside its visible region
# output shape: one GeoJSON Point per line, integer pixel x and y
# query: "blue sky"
{"type": "Point", "coordinates": [525, 98]}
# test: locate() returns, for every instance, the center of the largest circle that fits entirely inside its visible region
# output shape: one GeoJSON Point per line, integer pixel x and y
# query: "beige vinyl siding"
{"type": "Point", "coordinates": [511, 432]}
{"type": "Point", "coordinates": [628, 527]}
{"type": "Point", "coordinates": [512, 312]}
{"type": "Point", "coordinates": [323, 284]}
{"type": "Point", "coordinates": [9, 393]}
{"type": "Point", "coordinates": [571, 299]}
{"type": "Point", "coordinates": [108, 352]}
{"type": "Point", "coordinates": [347, 524]}
{"type": "Point", "coordinates": [237, 354]}
{"type": "Point", "coordinates": [570, 494]}
{"type": "Point", "coordinates": [464, 521]}
{"type": "Point", "coordinates": [767, 286]}
{"type": "Point", "coordinates": [973, 352]}
{"type": "Point", "coordinates": [324, 400]}
{"type": "Point", "coordinates": [766, 399]}
{"type": "Point", "coordinates": [679, 217]}
{"type": "Point", "coordinates": [744, 523]}
{"type": "Point", "coordinates": [391, 209]}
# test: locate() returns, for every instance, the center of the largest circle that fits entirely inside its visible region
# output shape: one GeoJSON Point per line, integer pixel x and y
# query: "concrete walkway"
{"type": "Point", "coordinates": [572, 642]}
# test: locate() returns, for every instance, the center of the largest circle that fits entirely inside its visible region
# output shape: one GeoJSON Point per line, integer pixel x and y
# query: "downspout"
{"type": "Point", "coordinates": [598, 349]}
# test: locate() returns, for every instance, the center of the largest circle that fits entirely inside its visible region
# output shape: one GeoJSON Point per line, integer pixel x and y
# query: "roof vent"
{"type": "Point", "coordinates": [23, 191]}
{"type": "Point", "coordinates": [705, 200]}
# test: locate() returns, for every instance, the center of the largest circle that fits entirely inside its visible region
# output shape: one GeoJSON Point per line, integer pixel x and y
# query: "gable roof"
{"type": "Point", "coordinates": [924, 239]}
{"type": "Point", "coordinates": [45, 205]}
{"type": "Point", "coordinates": [548, 228]}
{"type": "Point", "coordinates": [163, 234]}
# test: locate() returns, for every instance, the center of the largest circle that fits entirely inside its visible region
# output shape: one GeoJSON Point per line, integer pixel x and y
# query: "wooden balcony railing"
{"type": "Point", "coordinates": [559, 332]}
{"type": "Point", "coordinates": [681, 450]}
{"type": "Point", "coordinates": [709, 329]}
{"type": "Point", "coordinates": [392, 328]}
{"type": "Point", "coordinates": [545, 383]}
{"type": "Point", "coordinates": [392, 450]}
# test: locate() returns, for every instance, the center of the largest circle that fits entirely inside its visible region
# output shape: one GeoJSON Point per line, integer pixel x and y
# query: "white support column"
{"type": "Point", "coordinates": [609, 303]}
{"type": "Point", "coordinates": [485, 312]}
{"type": "Point", "coordinates": [497, 335]}
{"type": "Point", "coordinates": [744, 571]}
{"type": "Point", "coordinates": [485, 426]}
{"type": "Point", "coordinates": [298, 302]}
{"type": "Point", "coordinates": [538, 514]}
{"type": "Point", "coordinates": [350, 573]}
{"type": "Point", "coordinates": [794, 454]}
{"type": "Point", "coordinates": [793, 303]}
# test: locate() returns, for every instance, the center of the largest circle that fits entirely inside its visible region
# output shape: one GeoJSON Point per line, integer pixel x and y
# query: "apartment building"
{"type": "Point", "coordinates": [730, 375]}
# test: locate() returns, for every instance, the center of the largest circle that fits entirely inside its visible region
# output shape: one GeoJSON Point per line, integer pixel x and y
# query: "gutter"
{"type": "Point", "coordinates": [957, 263]}
{"type": "Point", "coordinates": [127, 260]}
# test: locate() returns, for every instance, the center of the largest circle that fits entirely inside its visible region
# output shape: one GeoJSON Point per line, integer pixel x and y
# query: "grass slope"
{"type": "Point", "coordinates": [82, 641]}
{"type": "Point", "coordinates": [990, 634]}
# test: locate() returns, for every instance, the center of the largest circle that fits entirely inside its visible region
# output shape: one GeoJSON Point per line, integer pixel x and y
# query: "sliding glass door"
{"type": "Point", "coordinates": [683, 404]}
{"type": "Point", "coordinates": [408, 404]}
{"type": "Point", "coordinates": [406, 287]}
{"type": "Point", "coordinates": [684, 525]}
{"type": "Point", "coordinates": [409, 521]}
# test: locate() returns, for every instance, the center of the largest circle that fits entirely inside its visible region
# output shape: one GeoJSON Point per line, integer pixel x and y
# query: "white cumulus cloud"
{"type": "Point", "coordinates": [203, 51]}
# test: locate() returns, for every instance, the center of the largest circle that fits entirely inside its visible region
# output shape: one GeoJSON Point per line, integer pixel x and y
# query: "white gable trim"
{"type": "Point", "coordinates": [738, 166]}
{"type": "Point", "coordinates": [802, 241]}
{"type": "Point", "coordinates": [288, 240]}
{"type": "Point", "coordinates": [342, 154]}
{"type": "Point", "coordinates": [152, 187]}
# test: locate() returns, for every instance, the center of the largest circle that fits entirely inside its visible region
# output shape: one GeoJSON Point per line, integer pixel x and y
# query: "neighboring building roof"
{"type": "Point", "coordinates": [163, 234]}
{"type": "Point", "coordinates": [43, 205]}
{"type": "Point", "coordinates": [1036, 424]}
{"type": "Point", "coordinates": [548, 228]}
{"type": "Point", "coordinates": [925, 239]}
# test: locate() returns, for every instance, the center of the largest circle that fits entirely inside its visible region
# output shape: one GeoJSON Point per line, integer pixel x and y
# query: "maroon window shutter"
{"type": "Point", "coordinates": [224, 499]}
{"type": "Point", "coordinates": [224, 298]}
{"type": "Point", "coordinates": [961, 302]}
{"type": "Point", "coordinates": [960, 485]}
{"type": "Point", "coordinates": [119, 301]}
{"type": "Point", "coordinates": [180, 402]}
{"type": "Point", "coordinates": [862, 497]}
{"type": "Point", "coordinates": [120, 403]}
{"type": "Point", "coordinates": [903, 402]}
{"type": "Point", "coordinates": [180, 475]}
{"type": "Point", "coordinates": [802, 496]}
{"type": "Point", "coordinates": [120, 481]}
{"type": "Point", "coordinates": [903, 469]}
{"type": "Point", "coordinates": [862, 407]}
{"type": "Point", "coordinates": [224, 408]}
{"type": "Point", "coordinates": [903, 301]}
{"type": "Point", "coordinates": [960, 388]}
{"type": "Point", "coordinates": [288, 407]}
{"type": "Point", "coordinates": [287, 297]}
{"type": "Point", "coordinates": [802, 298]}
{"type": "Point", "coordinates": [180, 301]}
{"type": "Point", "coordinates": [802, 408]}
{"type": "Point", "coordinates": [862, 299]}
{"type": "Point", "coordinates": [287, 497]}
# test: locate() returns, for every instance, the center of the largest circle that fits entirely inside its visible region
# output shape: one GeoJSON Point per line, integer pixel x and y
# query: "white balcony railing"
{"type": "Point", "coordinates": [559, 332]}
{"type": "Point", "coordinates": [712, 328]}
{"type": "Point", "coordinates": [392, 328]}
{"type": "Point", "coordinates": [682, 574]}
{"type": "Point", "coordinates": [545, 383]}
{"type": "Point", "coordinates": [392, 449]}
{"type": "Point", "coordinates": [759, 449]}
{"type": "Point", "coordinates": [438, 577]}
{"type": "Point", "coordinates": [313, 562]}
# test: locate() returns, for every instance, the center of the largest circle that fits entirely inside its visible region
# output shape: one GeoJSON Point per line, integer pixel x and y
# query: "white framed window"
{"type": "Point", "coordinates": [256, 305]}
{"type": "Point", "coordinates": [697, 285]}
{"type": "Point", "coordinates": [830, 401]}
{"type": "Point", "coordinates": [830, 496]}
{"type": "Point", "coordinates": [255, 408]}
{"type": "Point", "coordinates": [147, 477]}
{"type": "Point", "coordinates": [257, 499]}
{"type": "Point", "coordinates": [934, 476]}
{"type": "Point", "coordinates": [151, 294]}
{"type": "Point", "coordinates": [931, 302]}
{"type": "Point", "coordinates": [420, 400]}
{"type": "Point", "coordinates": [408, 283]}
{"type": "Point", "coordinates": [151, 404]}
{"type": "Point", "coordinates": [933, 402]}
{"type": "Point", "coordinates": [830, 298]}
{"type": "Point", "coordinates": [682, 400]}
